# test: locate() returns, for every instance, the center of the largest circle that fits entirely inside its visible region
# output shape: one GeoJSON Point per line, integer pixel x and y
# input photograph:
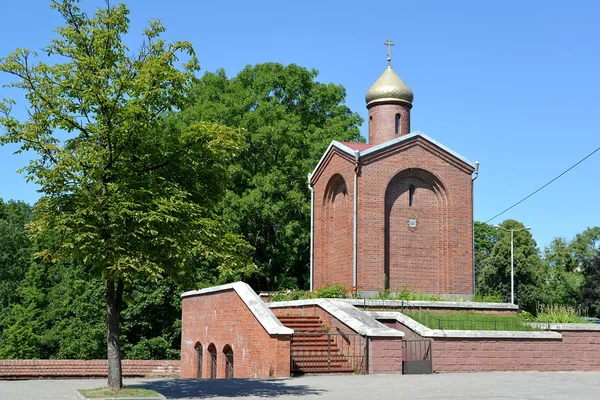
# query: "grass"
{"type": "Point", "coordinates": [125, 392]}
{"type": "Point", "coordinates": [469, 321]}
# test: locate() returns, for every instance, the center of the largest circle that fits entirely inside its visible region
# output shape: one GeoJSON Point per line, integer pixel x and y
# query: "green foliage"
{"type": "Point", "coordinates": [495, 275]}
{"type": "Point", "coordinates": [487, 298]}
{"type": "Point", "coordinates": [563, 279]}
{"type": "Point", "coordinates": [15, 254]}
{"type": "Point", "coordinates": [327, 291]}
{"type": "Point", "coordinates": [590, 290]}
{"type": "Point", "coordinates": [486, 237]}
{"type": "Point", "coordinates": [287, 120]}
{"type": "Point", "coordinates": [558, 314]}
{"type": "Point", "coordinates": [333, 291]}
{"type": "Point", "coordinates": [129, 199]}
{"type": "Point", "coordinates": [526, 316]}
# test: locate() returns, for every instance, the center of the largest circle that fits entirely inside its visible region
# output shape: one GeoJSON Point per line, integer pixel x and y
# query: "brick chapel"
{"type": "Point", "coordinates": [396, 213]}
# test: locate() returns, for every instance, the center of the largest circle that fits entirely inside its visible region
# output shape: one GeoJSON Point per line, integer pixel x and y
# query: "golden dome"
{"type": "Point", "coordinates": [389, 87]}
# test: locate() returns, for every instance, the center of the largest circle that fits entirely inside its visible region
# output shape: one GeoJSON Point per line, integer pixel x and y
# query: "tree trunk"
{"type": "Point", "coordinates": [114, 296]}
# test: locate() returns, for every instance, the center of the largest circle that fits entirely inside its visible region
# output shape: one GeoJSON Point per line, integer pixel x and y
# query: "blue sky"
{"type": "Point", "coordinates": [512, 84]}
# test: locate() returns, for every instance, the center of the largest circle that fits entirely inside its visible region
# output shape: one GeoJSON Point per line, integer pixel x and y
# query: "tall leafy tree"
{"type": "Point", "coordinates": [562, 278]}
{"type": "Point", "coordinates": [287, 119]}
{"type": "Point", "coordinates": [586, 245]}
{"type": "Point", "coordinates": [590, 290]}
{"type": "Point", "coordinates": [126, 197]}
{"type": "Point", "coordinates": [528, 268]}
{"type": "Point", "coordinates": [486, 237]}
{"type": "Point", "coordinates": [15, 253]}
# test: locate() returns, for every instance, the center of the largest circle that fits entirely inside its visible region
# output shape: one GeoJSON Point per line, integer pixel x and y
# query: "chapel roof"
{"type": "Point", "coordinates": [357, 146]}
{"type": "Point", "coordinates": [359, 150]}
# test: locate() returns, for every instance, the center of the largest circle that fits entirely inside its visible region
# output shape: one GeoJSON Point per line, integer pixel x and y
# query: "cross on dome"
{"type": "Point", "coordinates": [389, 45]}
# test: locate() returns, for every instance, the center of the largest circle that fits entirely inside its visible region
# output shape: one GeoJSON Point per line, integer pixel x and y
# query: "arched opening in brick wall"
{"type": "Point", "coordinates": [212, 350]}
{"type": "Point", "coordinates": [199, 356]}
{"type": "Point", "coordinates": [416, 233]}
{"type": "Point", "coordinates": [228, 361]}
{"type": "Point", "coordinates": [337, 232]}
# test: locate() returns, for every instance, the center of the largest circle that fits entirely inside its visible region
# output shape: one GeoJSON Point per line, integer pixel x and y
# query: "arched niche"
{"type": "Point", "coordinates": [228, 352]}
{"type": "Point", "coordinates": [415, 232]}
{"type": "Point", "coordinates": [337, 232]}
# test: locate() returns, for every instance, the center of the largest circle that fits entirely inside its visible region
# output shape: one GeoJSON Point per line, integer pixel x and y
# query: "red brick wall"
{"type": "Point", "coordinates": [435, 258]}
{"type": "Point", "coordinates": [333, 251]}
{"type": "Point", "coordinates": [222, 318]}
{"type": "Point", "coordinates": [444, 221]}
{"type": "Point", "coordinates": [577, 351]}
{"type": "Point", "coordinates": [34, 369]}
{"type": "Point", "coordinates": [382, 121]}
{"type": "Point", "coordinates": [385, 355]}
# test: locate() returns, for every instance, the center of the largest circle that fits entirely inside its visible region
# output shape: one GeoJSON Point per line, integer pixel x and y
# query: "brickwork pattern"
{"type": "Point", "coordinates": [436, 257]}
{"type": "Point", "coordinates": [222, 318]}
{"type": "Point", "coordinates": [44, 369]}
{"type": "Point", "coordinates": [334, 265]}
{"type": "Point", "coordinates": [385, 355]}
{"type": "Point", "coordinates": [577, 351]}
{"type": "Point", "coordinates": [382, 121]}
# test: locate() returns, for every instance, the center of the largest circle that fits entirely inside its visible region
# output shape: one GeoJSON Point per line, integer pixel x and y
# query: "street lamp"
{"type": "Point", "coordinates": [512, 258]}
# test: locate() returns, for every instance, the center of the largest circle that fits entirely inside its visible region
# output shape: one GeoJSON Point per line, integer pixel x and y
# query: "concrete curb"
{"type": "Point", "coordinates": [82, 397]}
{"type": "Point", "coordinates": [433, 304]}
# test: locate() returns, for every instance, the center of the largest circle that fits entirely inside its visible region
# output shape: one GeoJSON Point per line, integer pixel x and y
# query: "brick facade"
{"type": "Point", "coordinates": [433, 257]}
{"type": "Point", "coordinates": [223, 319]}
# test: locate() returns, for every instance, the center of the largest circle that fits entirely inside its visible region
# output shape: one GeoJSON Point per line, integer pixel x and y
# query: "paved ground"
{"type": "Point", "coordinates": [494, 386]}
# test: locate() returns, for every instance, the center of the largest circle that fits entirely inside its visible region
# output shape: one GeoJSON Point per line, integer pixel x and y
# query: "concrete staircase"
{"type": "Point", "coordinates": [313, 348]}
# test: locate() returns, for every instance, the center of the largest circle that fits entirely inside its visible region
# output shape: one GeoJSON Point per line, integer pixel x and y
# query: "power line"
{"type": "Point", "coordinates": [528, 196]}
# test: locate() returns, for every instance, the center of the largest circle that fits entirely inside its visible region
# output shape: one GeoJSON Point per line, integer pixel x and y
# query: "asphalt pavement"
{"type": "Point", "coordinates": [492, 386]}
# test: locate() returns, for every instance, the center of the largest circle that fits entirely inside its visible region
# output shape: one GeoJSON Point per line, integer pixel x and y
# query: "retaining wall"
{"type": "Point", "coordinates": [57, 369]}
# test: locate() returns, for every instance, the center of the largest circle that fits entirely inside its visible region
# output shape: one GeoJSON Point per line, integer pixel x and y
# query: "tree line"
{"type": "Point", "coordinates": [56, 309]}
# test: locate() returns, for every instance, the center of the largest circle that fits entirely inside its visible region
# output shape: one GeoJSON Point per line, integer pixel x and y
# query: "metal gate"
{"type": "Point", "coordinates": [417, 357]}
{"type": "Point", "coordinates": [328, 352]}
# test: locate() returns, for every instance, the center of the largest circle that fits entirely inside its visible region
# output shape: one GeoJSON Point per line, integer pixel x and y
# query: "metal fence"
{"type": "Point", "coordinates": [328, 352]}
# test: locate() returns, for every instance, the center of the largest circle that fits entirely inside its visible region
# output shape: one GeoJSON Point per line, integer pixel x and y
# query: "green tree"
{"type": "Point", "coordinates": [288, 119]}
{"type": "Point", "coordinates": [590, 290]}
{"type": "Point", "coordinates": [528, 268]}
{"type": "Point", "coordinates": [486, 237]}
{"type": "Point", "coordinates": [127, 198]}
{"type": "Point", "coordinates": [15, 254]}
{"type": "Point", "coordinates": [586, 245]}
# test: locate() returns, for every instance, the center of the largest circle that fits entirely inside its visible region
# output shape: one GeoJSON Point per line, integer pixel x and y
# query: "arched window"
{"type": "Point", "coordinates": [213, 361]}
{"type": "Point", "coordinates": [397, 124]}
{"type": "Point", "coordinates": [411, 195]}
{"type": "Point", "coordinates": [228, 361]}
{"type": "Point", "coordinates": [198, 348]}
